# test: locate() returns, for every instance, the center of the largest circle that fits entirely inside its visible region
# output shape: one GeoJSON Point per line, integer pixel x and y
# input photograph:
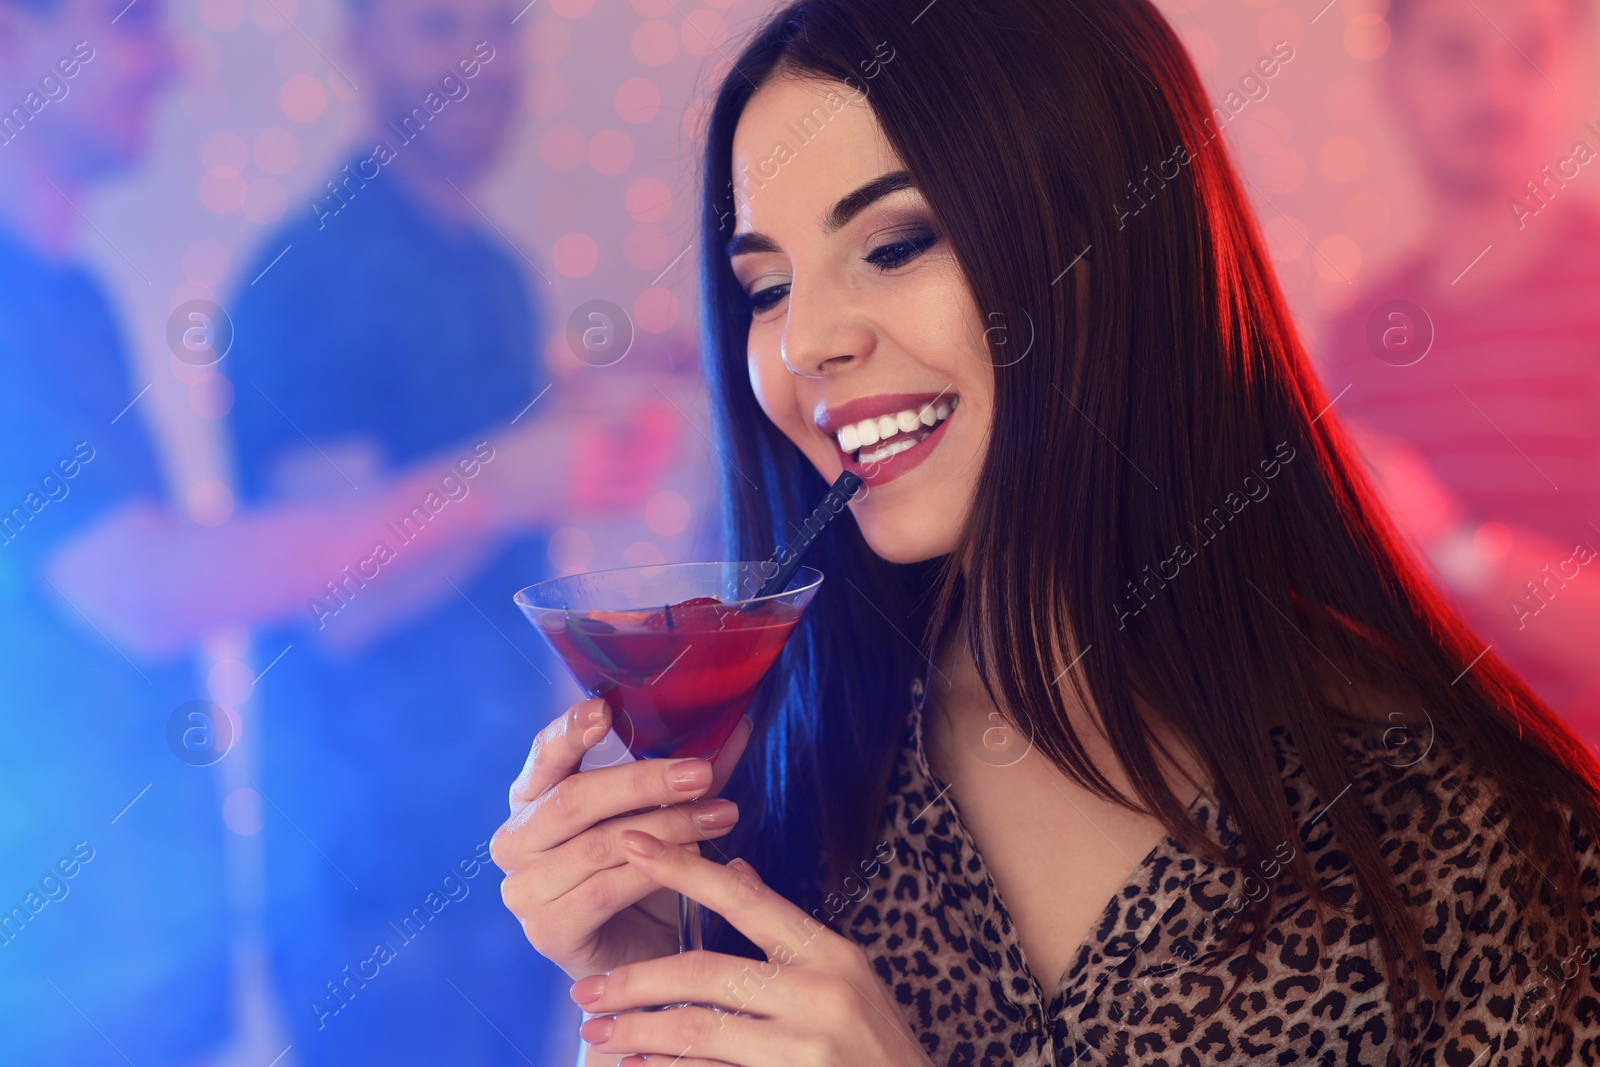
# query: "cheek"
{"type": "Point", "coordinates": [765, 380]}
{"type": "Point", "coordinates": [938, 326]}
{"type": "Point", "coordinates": [774, 388]}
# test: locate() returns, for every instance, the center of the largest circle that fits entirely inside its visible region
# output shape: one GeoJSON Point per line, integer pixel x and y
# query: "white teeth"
{"type": "Point", "coordinates": [890, 449]}
{"type": "Point", "coordinates": [916, 423]}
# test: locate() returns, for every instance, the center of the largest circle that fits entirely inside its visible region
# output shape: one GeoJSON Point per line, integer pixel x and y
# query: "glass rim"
{"type": "Point", "coordinates": [521, 600]}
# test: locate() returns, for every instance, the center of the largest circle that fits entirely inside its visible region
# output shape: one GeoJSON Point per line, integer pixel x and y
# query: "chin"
{"type": "Point", "coordinates": [902, 538]}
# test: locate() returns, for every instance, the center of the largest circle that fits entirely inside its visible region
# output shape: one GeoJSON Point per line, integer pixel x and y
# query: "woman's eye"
{"type": "Point", "coordinates": [898, 253]}
{"type": "Point", "coordinates": [763, 299]}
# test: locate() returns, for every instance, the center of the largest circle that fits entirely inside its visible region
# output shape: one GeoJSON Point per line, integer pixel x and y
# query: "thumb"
{"type": "Point", "coordinates": [727, 758]}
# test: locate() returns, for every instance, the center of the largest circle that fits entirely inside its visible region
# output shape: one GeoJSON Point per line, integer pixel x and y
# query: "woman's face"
{"type": "Point", "coordinates": [866, 348]}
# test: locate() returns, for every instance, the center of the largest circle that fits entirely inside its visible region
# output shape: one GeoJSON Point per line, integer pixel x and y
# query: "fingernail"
{"type": "Point", "coordinates": [716, 814]}
{"type": "Point", "coordinates": [587, 990]}
{"type": "Point", "coordinates": [593, 736]}
{"type": "Point", "coordinates": [598, 1031]}
{"type": "Point", "coordinates": [596, 713]}
{"type": "Point", "coordinates": [642, 844]}
{"type": "Point", "coordinates": [742, 866]}
{"type": "Point", "coordinates": [690, 774]}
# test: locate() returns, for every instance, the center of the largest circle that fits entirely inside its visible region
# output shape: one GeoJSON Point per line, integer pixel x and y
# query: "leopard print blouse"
{"type": "Point", "coordinates": [1142, 988]}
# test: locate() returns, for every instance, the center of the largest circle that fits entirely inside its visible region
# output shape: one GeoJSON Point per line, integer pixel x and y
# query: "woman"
{"type": "Point", "coordinates": [1116, 588]}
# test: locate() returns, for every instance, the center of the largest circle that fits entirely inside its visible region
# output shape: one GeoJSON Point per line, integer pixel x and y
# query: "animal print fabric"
{"type": "Point", "coordinates": [1140, 991]}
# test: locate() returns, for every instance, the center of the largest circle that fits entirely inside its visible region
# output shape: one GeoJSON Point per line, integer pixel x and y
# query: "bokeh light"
{"type": "Point", "coordinates": [704, 31]}
{"type": "Point", "coordinates": [303, 98]}
{"type": "Point", "coordinates": [648, 199]}
{"type": "Point", "coordinates": [575, 254]}
{"type": "Point", "coordinates": [275, 150]}
{"type": "Point", "coordinates": [210, 502]}
{"type": "Point", "coordinates": [222, 15]}
{"type": "Point", "coordinates": [223, 190]}
{"type": "Point", "coordinates": [571, 549]}
{"type": "Point", "coordinates": [274, 16]}
{"type": "Point", "coordinates": [211, 398]}
{"type": "Point", "coordinates": [241, 811]}
{"type": "Point", "coordinates": [655, 43]}
{"type": "Point", "coordinates": [667, 513]}
{"type": "Point", "coordinates": [638, 100]}
{"type": "Point", "coordinates": [1366, 36]}
{"type": "Point", "coordinates": [230, 681]}
{"type": "Point", "coordinates": [611, 152]}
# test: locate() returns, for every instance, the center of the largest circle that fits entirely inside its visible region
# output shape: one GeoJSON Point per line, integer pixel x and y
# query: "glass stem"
{"type": "Point", "coordinates": [689, 925]}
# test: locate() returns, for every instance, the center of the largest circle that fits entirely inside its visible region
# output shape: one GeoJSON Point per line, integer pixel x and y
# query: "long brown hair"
{"type": "Point", "coordinates": [1164, 374]}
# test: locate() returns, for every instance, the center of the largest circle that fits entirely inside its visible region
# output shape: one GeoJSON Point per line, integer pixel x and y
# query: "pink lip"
{"type": "Point", "coordinates": [830, 420]}
{"type": "Point", "coordinates": [887, 470]}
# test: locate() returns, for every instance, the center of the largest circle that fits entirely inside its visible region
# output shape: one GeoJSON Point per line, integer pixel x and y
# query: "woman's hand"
{"type": "Point", "coordinates": [814, 1001]}
{"type": "Point", "coordinates": [582, 905]}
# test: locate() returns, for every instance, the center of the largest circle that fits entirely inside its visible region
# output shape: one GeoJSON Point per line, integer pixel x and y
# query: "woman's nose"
{"type": "Point", "coordinates": [822, 335]}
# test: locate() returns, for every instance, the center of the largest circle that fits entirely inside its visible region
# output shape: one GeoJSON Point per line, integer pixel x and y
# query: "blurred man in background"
{"type": "Point", "coordinates": [115, 918]}
{"type": "Point", "coordinates": [113, 904]}
{"type": "Point", "coordinates": [1474, 366]}
{"type": "Point", "coordinates": [398, 322]}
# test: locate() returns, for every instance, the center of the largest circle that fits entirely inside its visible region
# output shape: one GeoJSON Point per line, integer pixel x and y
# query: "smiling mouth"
{"type": "Point", "coordinates": [875, 440]}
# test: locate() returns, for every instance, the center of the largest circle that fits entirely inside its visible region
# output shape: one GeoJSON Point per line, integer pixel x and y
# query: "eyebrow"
{"type": "Point", "coordinates": [849, 206]}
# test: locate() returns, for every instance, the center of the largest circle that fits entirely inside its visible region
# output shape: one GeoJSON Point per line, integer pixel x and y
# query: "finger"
{"type": "Point", "coordinates": [559, 747]}
{"type": "Point", "coordinates": [676, 1061]}
{"type": "Point", "coordinates": [575, 915]}
{"type": "Point", "coordinates": [600, 847]}
{"type": "Point", "coordinates": [579, 801]}
{"type": "Point", "coordinates": [708, 979]}
{"type": "Point", "coordinates": [704, 1033]}
{"type": "Point", "coordinates": [734, 891]}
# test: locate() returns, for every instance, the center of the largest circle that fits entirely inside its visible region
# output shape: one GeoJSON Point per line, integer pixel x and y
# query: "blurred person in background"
{"type": "Point", "coordinates": [115, 920]}
{"type": "Point", "coordinates": [1473, 366]}
{"type": "Point", "coordinates": [397, 323]}
{"type": "Point", "coordinates": [113, 903]}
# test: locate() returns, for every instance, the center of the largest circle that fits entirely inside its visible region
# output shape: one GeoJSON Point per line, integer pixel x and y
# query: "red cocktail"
{"type": "Point", "coordinates": [677, 677]}
{"type": "Point", "coordinates": [677, 650]}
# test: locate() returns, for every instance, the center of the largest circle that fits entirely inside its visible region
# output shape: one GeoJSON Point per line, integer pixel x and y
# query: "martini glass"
{"type": "Point", "coordinates": [677, 650]}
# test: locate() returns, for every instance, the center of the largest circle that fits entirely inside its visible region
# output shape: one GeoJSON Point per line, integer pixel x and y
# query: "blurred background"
{"type": "Point", "coordinates": [325, 326]}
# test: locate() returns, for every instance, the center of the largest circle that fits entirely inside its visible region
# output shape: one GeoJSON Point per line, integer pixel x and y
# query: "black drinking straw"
{"type": "Point", "coordinates": [788, 560]}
